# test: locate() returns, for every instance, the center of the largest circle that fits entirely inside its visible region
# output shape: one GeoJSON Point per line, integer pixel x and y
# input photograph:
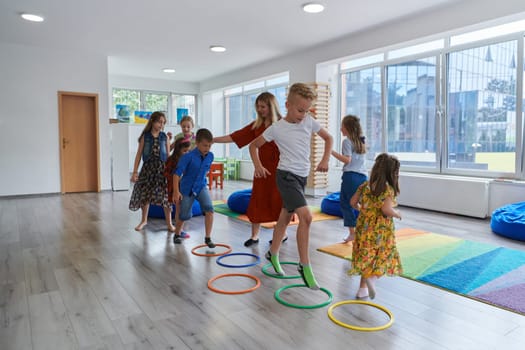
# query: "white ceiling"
{"type": "Point", "coordinates": [142, 37]}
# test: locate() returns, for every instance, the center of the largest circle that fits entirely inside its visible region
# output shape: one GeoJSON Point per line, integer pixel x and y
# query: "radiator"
{"type": "Point", "coordinates": [456, 195]}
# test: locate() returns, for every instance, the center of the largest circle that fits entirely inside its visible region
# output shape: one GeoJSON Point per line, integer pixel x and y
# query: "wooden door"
{"type": "Point", "coordinates": [79, 149]}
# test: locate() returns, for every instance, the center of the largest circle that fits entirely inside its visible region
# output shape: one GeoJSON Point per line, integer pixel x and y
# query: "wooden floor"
{"type": "Point", "coordinates": [75, 275]}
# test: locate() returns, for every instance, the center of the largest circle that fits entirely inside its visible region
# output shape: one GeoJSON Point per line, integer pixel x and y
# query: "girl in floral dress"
{"type": "Point", "coordinates": [150, 184]}
{"type": "Point", "coordinates": [374, 251]}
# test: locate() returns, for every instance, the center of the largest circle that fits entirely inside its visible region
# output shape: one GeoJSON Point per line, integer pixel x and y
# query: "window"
{"type": "Point", "coordinates": [411, 110]}
{"type": "Point", "coordinates": [481, 114]}
{"type": "Point", "coordinates": [239, 103]}
{"type": "Point", "coordinates": [453, 110]}
{"type": "Point", "coordinates": [130, 103]}
{"type": "Point", "coordinates": [363, 98]}
{"type": "Point", "coordinates": [182, 105]}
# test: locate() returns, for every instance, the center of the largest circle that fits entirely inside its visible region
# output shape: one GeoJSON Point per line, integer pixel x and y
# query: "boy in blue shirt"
{"type": "Point", "coordinates": [190, 174]}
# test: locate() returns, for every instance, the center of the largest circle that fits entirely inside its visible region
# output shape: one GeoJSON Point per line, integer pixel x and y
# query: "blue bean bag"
{"type": "Point", "coordinates": [156, 211]}
{"type": "Point", "coordinates": [331, 204]}
{"type": "Point", "coordinates": [509, 221]}
{"type": "Point", "coordinates": [238, 201]}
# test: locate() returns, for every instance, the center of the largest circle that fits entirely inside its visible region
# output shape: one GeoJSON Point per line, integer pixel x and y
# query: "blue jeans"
{"type": "Point", "coordinates": [186, 204]}
{"type": "Point", "coordinates": [350, 182]}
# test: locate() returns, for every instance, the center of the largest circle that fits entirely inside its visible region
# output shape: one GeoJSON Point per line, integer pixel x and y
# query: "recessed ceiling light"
{"type": "Point", "coordinates": [168, 70]}
{"type": "Point", "coordinates": [217, 48]}
{"type": "Point", "coordinates": [313, 7]}
{"type": "Point", "coordinates": [32, 17]}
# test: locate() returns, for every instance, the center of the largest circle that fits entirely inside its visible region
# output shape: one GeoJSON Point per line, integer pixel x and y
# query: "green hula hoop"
{"type": "Point", "coordinates": [274, 275]}
{"type": "Point", "coordinates": [316, 306]}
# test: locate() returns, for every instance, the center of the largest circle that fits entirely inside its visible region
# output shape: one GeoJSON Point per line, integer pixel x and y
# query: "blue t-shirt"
{"type": "Point", "coordinates": [357, 164]}
{"type": "Point", "coordinates": [192, 169]}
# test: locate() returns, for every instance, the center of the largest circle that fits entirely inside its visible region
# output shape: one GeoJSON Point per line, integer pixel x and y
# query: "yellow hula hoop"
{"type": "Point", "coordinates": [358, 328]}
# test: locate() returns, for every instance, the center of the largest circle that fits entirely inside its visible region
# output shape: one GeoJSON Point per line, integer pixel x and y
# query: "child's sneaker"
{"type": "Point", "coordinates": [308, 276]}
{"type": "Point", "coordinates": [274, 259]}
{"type": "Point", "coordinates": [184, 234]}
{"type": "Point", "coordinates": [209, 242]}
{"type": "Point", "coordinates": [177, 239]}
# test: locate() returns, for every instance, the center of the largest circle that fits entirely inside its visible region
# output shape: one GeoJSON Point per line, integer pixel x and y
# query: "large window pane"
{"type": "Point", "coordinates": [182, 105]}
{"type": "Point", "coordinates": [234, 121]}
{"type": "Point", "coordinates": [411, 110]}
{"type": "Point", "coordinates": [155, 102]}
{"type": "Point", "coordinates": [125, 103]}
{"type": "Point", "coordinates": [362, 97]}
{"type": "Point", "coordinates": [280, 94]}
{"type": "Point", "coordinates": [248, 116]}
{"type": "Point", "coordinates": [481, 111]}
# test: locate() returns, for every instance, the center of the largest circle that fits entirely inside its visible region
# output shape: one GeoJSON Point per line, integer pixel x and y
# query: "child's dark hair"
{"type": "Point", "coordinates": [180, 144]}
{"type": "Point", "coordinates": [384, 172]}
{"type": "Point", "coordinates": [203, 135]}
{"type": "Point", "coordinates": [152, 119]}
{"type": "Point", "coordinates": [355, 133]}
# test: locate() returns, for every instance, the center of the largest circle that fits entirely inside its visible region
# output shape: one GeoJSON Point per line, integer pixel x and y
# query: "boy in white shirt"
{"type": "Point", "coordinates": [292, 135]}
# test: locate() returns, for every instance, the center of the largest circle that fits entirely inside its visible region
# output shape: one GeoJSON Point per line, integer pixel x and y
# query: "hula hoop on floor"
{"type": "Point", "coordinates": [278, 292]}
{"type": "Point", "coordinates": [228, 250]}
{"type": "Point", "coordinates": [257, 260]}
{"type": "Point", "coordinates": [359, 328]}
{"type": "Point", "coordinates": [221, 291]}
{"type": "Point", "coordinates": [274, 275]}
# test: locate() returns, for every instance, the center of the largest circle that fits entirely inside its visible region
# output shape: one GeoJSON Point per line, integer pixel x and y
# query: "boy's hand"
{"type": "Point", "coordinates": [322, 167]}
{"type": "Point", "coordinates": [261, 172]}
{"type": "Point", "coordinates": [176, 197]}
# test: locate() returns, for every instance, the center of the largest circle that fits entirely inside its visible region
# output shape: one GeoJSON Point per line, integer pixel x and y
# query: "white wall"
{"type": "Point", "coordinates": [29, 136]}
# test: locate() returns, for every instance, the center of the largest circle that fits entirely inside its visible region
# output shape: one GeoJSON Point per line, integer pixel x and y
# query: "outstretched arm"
{"type": "Point", "coordinates": [223, 139]}
{"type": "Point", "coordinates": [341, 157]}
{"type": "Point", "coordinates": [328, 143]}
{"type": "Point", "coordinates": [259, 170]}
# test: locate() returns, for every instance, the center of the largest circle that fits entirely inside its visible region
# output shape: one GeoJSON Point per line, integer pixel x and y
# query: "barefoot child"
{"type": "Point", "coordinates": [150, 185]}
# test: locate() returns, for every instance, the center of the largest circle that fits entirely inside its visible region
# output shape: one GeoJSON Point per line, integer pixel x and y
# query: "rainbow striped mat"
{"type": "Point", "coordinates": [483, 272]}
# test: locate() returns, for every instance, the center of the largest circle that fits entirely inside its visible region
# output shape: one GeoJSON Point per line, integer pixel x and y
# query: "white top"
{"type": "Point", "coordinates": [293, 140]}
{"type": "Point", "coordinates": [357, 164]}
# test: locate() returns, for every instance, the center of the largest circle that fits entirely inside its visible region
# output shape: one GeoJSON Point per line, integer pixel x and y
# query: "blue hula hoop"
{"type": "Point", "coordinates": [257, 260]}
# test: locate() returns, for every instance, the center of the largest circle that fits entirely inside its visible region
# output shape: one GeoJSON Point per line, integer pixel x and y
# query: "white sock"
{"type": "Point", "coordinates": [362, 292]}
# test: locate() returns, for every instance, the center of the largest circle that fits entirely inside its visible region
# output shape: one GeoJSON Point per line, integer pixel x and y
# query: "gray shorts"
{"type": "Point", "coordinates": [291, 188]}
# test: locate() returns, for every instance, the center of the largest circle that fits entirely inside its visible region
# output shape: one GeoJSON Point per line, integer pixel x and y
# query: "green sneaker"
{"type": "Point", "coordinates": [274, 259]}
{"type": "Point", "coordinates": [308, 276]}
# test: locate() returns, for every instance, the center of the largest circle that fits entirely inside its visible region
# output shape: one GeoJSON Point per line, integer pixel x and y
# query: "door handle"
{"type": "Point", "coordinates": [64, 142]}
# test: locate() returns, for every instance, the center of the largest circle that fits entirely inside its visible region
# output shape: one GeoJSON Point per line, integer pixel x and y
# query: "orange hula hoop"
{"type": "Point", "coordinates": [228, 250]}
{"type": "Point", "coordinates": [221, 291]}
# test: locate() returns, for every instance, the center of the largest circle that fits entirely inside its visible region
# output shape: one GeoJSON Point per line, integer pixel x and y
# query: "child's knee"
{"type": "Point", "coordinates": [306, 218]}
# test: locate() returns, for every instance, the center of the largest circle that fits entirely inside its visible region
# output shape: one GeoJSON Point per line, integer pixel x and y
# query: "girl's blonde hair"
{"type": "Point", "coordinates": [384, 172]}
{"type": "Point", "coordinates": [187, 118]}
{"type": "Point", "coordinates": [155, 116]}
{"type": "Point", "coordinates": [353, 128]}
{"type": "Point", "coordinates": [270, 100]}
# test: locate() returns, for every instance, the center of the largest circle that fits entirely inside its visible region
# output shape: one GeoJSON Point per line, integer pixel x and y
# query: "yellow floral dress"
{"type": "Point", "coordinates": [374, 248]}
